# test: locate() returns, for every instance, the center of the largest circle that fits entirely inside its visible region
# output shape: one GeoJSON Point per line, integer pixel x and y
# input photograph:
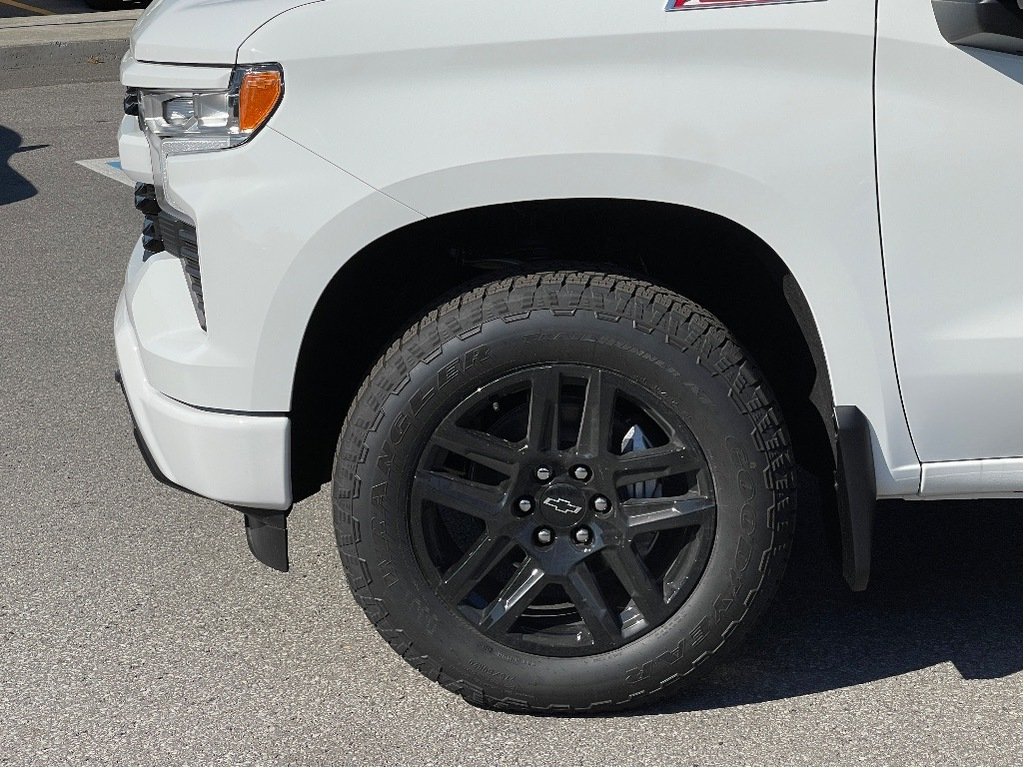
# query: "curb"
{"type": "Point", "coordinates": [72, 48]}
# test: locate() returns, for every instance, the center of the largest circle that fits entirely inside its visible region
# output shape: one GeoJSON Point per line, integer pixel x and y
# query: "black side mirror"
{"type": "Point", "coordinates": [994, 25]}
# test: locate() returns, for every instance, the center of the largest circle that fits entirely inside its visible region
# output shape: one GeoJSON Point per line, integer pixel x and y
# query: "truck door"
{"type": "Point", "coordinates": [948, 132]}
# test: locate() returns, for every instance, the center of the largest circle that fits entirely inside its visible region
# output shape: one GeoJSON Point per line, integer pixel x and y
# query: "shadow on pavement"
{"type": "Point", "coordinates": [13, 186]}
{"type": "Point", "coordinates": [945, 587]}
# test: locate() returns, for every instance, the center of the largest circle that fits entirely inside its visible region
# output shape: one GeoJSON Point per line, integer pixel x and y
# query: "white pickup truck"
{"type": "Point", "coordinates": [558, 295]}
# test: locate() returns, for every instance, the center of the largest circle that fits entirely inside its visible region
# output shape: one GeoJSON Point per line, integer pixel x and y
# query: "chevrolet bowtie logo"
{"type": "Point", "coordinates": [562, 506]}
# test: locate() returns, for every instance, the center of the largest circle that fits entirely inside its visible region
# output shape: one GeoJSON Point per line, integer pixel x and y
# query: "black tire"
{"type": "Point", "coordinates": [661, 344]}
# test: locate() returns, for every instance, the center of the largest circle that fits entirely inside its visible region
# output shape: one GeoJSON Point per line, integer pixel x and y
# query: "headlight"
{"type": "Point", "coordinates": [201, 121]}
{"type": "Point", "coordinates": [180, 122]}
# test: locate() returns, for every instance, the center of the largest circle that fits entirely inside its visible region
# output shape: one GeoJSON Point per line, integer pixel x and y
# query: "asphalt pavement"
{"type": "Point", "coordinates": [136, 628]}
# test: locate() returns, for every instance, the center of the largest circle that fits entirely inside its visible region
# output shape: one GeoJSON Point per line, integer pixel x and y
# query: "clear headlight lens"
{"type": "Point", "coordinates": [197, 121]}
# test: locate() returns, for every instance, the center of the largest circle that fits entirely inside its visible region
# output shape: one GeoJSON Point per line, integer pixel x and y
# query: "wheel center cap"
{"type": "Point", "coordinates": [563, 504]}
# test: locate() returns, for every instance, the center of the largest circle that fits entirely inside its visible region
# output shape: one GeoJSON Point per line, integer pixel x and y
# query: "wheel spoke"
{"type": "Point", "coordinates": [654, 463]}
{"type": "Point", "coordinates": [586, 594]}
{"type": "Point", "coordinates": [487, 450]}
{"type": "Point", "coordinates": [514, 598]}
{"type": "Point", "coordinates": [476, 499]}
{"type": "Point", "coordinates": [646, 515]}
{"type": "Point", "coordinates": [474, 565]}
{"type": "Point", "coordinates": [631, 571]}
{"type": "Point", "coordinates": [680, 578]}
{"type": "Point", "coordinates": [542, 431]}
{"type": "Point", "coordinates": [596, 422]}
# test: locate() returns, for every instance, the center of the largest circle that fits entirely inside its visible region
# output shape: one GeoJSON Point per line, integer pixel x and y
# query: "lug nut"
{"type": "Point", "coordinates": [544, 535]}
{"type": "Point", "coordinates": [582, 535]}
{"type": "Point", "coordinates": [525, 505]}
{"type": "Point", "coordinates": [601, 504]}
{"type": "Point", "coordinates": [581, 472]}
{"type": "Point", "coordinates": [543, 474]}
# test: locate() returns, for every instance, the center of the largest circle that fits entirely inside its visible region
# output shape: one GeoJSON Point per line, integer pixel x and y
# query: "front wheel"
{"type": "Point", "coordinates": [564, 491]}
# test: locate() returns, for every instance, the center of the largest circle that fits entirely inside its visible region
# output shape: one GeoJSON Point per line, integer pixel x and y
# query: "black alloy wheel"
{"type": "Point", "coordinates": [562, 510]}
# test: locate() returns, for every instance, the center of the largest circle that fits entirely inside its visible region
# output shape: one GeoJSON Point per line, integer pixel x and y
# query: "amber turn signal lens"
{"type": "Point", "coordinates": [257, 98]}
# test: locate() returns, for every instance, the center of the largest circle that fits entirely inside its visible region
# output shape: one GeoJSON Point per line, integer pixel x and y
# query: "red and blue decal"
{"type": "Point", "coordinates": [694, 5]}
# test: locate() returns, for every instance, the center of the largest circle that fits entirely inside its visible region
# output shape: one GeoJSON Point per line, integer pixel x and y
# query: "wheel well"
{"type": "Point", "coordinates": [709, 259]}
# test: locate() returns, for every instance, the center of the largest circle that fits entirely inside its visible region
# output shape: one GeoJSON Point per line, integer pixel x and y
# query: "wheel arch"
{"type": "Point", "coordinates": [706, 257]}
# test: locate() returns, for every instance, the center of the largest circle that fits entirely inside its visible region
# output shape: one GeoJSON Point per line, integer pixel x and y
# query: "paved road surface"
{"type": "Point", "coordinates": [136, 628]}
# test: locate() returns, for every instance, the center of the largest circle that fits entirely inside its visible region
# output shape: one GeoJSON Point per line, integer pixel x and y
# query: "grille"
{"type": "Point", "coordinates": [131, 101]}
{"type": "Point", "coordinates": [162, 232]}
{"type": "Point", "coordinates": [131, 106]}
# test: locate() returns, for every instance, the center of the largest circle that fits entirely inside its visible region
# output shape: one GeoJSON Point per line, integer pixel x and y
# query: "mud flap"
{"type": "Point", "coordinates": [267, 535]}
{"type": "Point", "coordinates": [855, 493]}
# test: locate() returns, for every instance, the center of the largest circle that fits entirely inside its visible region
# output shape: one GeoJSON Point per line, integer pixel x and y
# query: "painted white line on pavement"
{"type": "Point", "coordinates": [109, 167]}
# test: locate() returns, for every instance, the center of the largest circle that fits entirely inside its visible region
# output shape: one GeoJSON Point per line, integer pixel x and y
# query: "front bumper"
{"type": "Point", "coordinates": [237, 459]}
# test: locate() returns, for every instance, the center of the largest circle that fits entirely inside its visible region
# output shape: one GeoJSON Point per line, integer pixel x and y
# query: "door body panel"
{"type": "Point", "coordinates": [948, 125]}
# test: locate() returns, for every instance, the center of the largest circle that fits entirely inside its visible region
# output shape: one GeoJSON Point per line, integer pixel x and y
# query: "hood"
{"type": "Point", "coordinates": [201, 31]}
